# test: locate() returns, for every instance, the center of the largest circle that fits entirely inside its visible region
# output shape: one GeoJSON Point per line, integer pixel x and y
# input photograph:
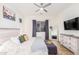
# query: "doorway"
{"type": "Point", "coordinates": [40, 26]}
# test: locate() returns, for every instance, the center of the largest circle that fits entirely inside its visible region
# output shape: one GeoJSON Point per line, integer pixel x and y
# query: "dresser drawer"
{"type": "Point", "coordinates": [74, 42]}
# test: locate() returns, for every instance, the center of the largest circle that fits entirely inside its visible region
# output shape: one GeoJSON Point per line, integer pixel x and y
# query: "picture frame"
{"type": "Point", "coordinates": [8, 14]}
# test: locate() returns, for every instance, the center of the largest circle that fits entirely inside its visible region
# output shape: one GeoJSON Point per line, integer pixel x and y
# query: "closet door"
{"type": "Point", "coordinates": [46, 30]}
{"type": "Point", "coordinates": [34, 28]}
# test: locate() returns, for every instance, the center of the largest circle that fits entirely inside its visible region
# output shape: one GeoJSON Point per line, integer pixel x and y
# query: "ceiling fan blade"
{"type": "Point", "coordinates": [45, 10]}
{"type": "Point", "coordinates": [41, 3]}
{"type": "Point", "coordinates": [37, 10]}
{"type": "Point", "coordinates": [47, 5]}
{"type": "Point", "coordinates": [37, 5]}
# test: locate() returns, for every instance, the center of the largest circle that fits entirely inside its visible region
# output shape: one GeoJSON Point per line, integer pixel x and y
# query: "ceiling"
{"type": "Point", "coordinates": [28, 9]}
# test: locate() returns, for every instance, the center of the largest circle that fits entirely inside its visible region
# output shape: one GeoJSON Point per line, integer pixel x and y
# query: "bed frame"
{"type": "Point", "coordinates": [7, 33]}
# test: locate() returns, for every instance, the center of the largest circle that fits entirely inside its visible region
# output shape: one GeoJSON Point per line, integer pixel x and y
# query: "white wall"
{"type": "Point", "coordinates": [8, 28]}
{"type": "Point", "coordinates": [6, 23]}
{"type": "Point", "coordinates": [27, 26]}
{"type": "Point", "coordinates": [69, 13]}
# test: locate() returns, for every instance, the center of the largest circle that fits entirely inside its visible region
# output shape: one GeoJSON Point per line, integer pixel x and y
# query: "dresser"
{"type": "Point", "coordinates": [70, 41]}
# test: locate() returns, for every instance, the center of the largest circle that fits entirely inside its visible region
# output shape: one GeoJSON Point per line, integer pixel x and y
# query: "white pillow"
{"type": "Point", "coordinates": [15, 40]}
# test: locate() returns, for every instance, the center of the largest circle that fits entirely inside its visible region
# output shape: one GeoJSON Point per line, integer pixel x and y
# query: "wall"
{"type": "Point", "coordinates": [6, 23]}
{"type": "Point", "coordinates": [9, 28]}
{"type": "Point", "coordinates": [27, 26]}
{"type": "Point", "coordinates": [69, 13]}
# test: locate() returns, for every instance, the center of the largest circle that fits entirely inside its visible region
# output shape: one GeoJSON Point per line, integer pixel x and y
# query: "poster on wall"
{"type": "Point", "coordinates": [8, 14]}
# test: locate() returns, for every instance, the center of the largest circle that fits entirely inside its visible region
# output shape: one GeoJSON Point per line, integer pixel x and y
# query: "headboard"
{"type": "Point", "coordinates": [7, 33]}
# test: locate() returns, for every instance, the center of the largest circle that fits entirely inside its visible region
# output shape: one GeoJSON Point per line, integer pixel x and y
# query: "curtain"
{"type": "Point", "coordinates": [34, 28]}
{"type": "Point", "coordinates": [46, 30]}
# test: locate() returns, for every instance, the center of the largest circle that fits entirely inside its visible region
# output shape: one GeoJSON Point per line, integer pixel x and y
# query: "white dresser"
{"type": "Point", "coordinates": [70, 41]}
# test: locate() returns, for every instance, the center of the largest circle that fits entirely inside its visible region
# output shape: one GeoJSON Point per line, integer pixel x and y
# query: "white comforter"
{"type": "Point", "coordinates": [39, 45]}
{"type": "Point", "coordinates": [32, 46]}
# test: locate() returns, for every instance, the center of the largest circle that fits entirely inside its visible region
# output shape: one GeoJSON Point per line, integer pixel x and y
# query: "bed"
{"type": "Point", "coordinates": [10, 45]}
{"type": "Point", "coordinates": [39, 46]}
{"type": "Point", "coordinates": [34, 46]}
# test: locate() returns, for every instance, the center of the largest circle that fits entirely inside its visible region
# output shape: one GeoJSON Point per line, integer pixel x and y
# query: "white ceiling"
{"type": "Point", "coordinates": [28, 9]}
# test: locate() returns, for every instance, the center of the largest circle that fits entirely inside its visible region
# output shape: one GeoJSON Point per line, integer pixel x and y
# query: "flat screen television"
{"type": "Point", "coordinates": [72, 24]}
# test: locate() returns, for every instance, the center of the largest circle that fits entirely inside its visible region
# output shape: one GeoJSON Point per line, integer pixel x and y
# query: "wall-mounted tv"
{"type": "Point", "coordinates": [72, 24]}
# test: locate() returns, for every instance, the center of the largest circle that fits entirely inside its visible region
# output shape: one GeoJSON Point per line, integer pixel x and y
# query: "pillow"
{"type": "Point", "coordinates": [22, 39]}
{"type": "Point", "coordinates": [15, 40]}
{"type": "Point", "coordinates": [25, 36]}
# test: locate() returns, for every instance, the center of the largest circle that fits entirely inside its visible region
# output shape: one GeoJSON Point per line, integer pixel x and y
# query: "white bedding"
{"type": "Point", "coordinates": [39, 45]}
{"type": "Point", "coordinates": [27, 48]}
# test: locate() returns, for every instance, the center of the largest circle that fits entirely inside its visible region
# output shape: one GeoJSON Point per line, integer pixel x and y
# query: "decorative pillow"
{"type": "Point", "coordinates": [25, 36]}
{"type": "Point", "coordinates": [22, 38]}
{"type": "Point", "coordinates": [49, 42]}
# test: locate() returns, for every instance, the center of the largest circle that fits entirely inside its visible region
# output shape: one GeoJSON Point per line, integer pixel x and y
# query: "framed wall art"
{"type": "Point", "coordinates": [8, 14]}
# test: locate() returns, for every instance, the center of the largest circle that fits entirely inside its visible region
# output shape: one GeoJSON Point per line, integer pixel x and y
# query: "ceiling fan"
{"type": "Point", "coordinates": [42, 7]}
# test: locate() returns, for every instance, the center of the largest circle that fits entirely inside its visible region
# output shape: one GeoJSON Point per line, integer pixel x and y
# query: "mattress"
{"type": "Point", "coordinates": [30, 47]}
{"type": "Point", "coordinates": [39, 46]}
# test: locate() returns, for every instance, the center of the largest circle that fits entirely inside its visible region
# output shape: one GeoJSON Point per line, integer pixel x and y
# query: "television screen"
{"type": "Point", "coordinates": [72, 24]}
{"type": "Point", "coordinates": [77, 23]}
{"type": "Point", "coordinates": [67, 25]}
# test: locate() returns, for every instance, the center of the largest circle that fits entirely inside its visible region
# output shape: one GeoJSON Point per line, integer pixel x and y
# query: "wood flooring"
{"type": "Point", "coordinates": [61, 49]}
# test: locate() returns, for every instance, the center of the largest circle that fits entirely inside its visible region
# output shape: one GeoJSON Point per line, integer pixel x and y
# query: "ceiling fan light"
{"type": "Point", "coordinates": [41, 8]}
